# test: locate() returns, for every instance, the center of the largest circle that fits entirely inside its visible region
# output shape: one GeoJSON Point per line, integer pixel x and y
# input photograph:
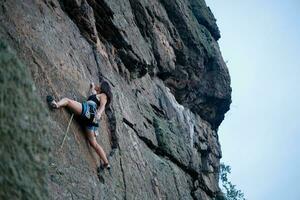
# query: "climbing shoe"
{"type": "Point", "coordinates": [105, 166]}
{"type": "Point", "coordinates": [50, 101]}
{"type": "Point", "coordinates": [108, 168]}
{"type": "Point", "coordinates": [102, 167]}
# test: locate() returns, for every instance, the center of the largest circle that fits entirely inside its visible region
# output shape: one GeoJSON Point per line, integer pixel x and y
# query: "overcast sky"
{"type": "Point", "coordinates": [260, 135]}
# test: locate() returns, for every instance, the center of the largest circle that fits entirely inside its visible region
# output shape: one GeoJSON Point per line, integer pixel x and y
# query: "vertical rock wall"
{"type": "Point", "coordinates": [170, 84]}
{"type": "Point", "coordinates": [23, 136]}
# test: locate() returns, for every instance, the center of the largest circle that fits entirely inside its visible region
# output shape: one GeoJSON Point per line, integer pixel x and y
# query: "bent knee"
{"type": "Point", "coordinates": [67, 100]}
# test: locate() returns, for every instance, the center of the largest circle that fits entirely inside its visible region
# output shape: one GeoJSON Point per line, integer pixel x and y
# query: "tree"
{"type": "Point", "coordinates": [231, 192]}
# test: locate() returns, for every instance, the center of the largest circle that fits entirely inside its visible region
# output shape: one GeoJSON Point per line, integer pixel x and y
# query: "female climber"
{"type": "Point", "coordinates": [90, 112]}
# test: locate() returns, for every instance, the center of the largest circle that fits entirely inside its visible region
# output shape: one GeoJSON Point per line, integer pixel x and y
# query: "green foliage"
{"type": "Point", "coordinates": [231, 192]}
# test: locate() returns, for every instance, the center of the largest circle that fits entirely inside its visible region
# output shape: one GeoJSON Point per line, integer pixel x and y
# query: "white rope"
{"type": "Point", "coordinates": [67, 131]}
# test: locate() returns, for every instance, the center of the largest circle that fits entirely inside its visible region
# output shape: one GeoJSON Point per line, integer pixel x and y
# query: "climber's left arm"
{"type": "Point", "coordinates": [103, 101]}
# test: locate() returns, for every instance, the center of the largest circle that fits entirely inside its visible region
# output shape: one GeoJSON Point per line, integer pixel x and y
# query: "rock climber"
{"type": "Point", "coordinates": [90, 112]}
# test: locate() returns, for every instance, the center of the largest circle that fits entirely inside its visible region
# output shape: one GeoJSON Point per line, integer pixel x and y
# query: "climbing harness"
{"type": "Point", "coordinates": [89, 114]}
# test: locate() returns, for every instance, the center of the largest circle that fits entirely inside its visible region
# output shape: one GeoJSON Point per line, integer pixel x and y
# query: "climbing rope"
{"type": "Point", "coordinates": [66, 131]}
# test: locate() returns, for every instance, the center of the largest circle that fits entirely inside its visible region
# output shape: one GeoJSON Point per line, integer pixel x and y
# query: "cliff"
{"type": "Point", "coordinates": [171, 90]}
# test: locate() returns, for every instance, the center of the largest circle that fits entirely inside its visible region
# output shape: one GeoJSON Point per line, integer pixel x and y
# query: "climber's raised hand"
{"type": "Point", "coordinates": [92, 85]}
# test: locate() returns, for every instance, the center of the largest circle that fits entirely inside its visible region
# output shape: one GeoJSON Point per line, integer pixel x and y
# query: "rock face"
{"type": "Point", "coordinates": [171, 90]}
{"type": "Point", "coordinates": [23, 146]}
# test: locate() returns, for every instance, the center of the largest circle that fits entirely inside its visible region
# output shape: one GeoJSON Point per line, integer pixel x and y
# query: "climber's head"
{"type": "Point", "coordinates": [105, 88]}
{"type": "Point", "coordinates": [97, 88]}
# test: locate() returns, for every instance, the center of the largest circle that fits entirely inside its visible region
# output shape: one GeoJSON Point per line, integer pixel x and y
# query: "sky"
{"type": "Point", "coordinates": [260, 136]}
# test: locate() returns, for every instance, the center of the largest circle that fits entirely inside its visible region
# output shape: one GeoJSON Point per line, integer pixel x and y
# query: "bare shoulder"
{"type": "Point", "coordinates": [102, 96]}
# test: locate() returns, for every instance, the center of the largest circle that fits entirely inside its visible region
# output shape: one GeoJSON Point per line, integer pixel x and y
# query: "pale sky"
{"type": "Point", "coordinates": [260, 136]}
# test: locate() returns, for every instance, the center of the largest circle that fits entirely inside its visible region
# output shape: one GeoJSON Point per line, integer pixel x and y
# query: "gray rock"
{"type": "Point", "coordinates": [171, 90]}
{"type": "Point", "coordinates": [23, 147]}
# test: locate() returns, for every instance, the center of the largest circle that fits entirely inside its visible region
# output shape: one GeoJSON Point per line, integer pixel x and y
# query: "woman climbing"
{"type": "Point", "coordinates": [90, 113]}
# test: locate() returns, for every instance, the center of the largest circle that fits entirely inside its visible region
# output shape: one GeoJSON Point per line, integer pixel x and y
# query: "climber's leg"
{"type": "Point", "coordinates": [96, 146]}
{"type": "Point", "coordinates": [75, 106]}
